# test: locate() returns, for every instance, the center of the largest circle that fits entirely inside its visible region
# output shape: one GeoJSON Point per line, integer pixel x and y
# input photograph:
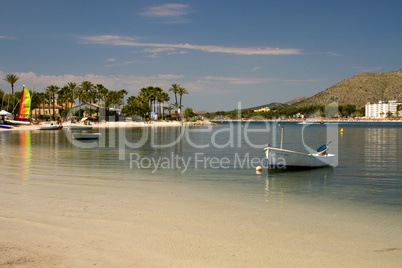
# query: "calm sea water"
{"type": "Point", "coordinates": [367, 171]}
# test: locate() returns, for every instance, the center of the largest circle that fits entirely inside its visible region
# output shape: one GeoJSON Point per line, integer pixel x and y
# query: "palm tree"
{"type": "Point", "coordinates": [47, 98]}
{"type": "Point", "coordinates": [87, 87]}
{"type": "Point", "coordinates": [52, 91]}
{"type": "Point", "coordinates": [101, 92]}
{"type": "Point", "coordinates": [162, 97]}
{"type": "Point", "coordinates": [146, 95]}
{"type": "Point", "coordinates": [123, 93]}
{"type": "Point", "coordinates": [63, 97]}
{"type": "Point", "coordinates": [181, 92]}
{"type": "Point", "coordinates": [80, 95]}
{"type": "Point", "coordinates": [71, 87]}
{"type": "Point", "coordinates": [171, 107]}
{"type": "Point", "coordinates": [175, 90]}
{"type": "Point", "coordinates": [40, 98]}
{"type": "Point", "coordinates": [12, 79]}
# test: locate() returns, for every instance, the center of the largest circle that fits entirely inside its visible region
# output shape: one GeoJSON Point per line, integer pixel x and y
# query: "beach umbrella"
{"type": "Point", "coordinates": [3, 112]}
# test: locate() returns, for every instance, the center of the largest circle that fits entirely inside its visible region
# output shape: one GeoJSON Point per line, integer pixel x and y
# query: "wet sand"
{"type": "Point", "coordinates": [77, 222]}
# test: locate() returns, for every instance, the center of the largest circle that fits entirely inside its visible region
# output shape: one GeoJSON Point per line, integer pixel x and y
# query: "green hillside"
{"type": "Point", "coordinates": [360, 89]}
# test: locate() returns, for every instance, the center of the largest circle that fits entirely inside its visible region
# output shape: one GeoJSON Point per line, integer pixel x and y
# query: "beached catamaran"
{"type": "Point", "coordinates": [25, 109]}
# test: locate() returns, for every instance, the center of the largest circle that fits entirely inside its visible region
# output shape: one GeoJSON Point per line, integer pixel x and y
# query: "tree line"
{"type": "Point", "coordinates": [150, 99]}
{"type": "Point", "coordinates": [292, 112]}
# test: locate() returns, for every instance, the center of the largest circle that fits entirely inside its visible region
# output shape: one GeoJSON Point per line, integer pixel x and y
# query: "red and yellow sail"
{"type": "Point", "coordinates": [25, 106]}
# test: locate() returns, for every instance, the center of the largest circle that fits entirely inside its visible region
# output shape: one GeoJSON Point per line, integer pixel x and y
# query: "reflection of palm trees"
{"type": "Point", "coordinates": [12, 79]}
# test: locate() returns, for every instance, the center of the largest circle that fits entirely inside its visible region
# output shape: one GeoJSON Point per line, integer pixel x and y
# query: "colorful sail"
{"type": "Point", "coordinates": [25, 106]}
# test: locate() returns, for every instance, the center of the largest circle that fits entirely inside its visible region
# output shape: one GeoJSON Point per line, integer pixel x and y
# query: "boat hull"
{"type": "Point", "coordinates": [79, 127]}
{"type": "Point", "coordinates": [17, 122]}
{"type": "Point", "coordinates": [86, 136]}
{"type": "Point", "coordinates": [286, 159]}
{"type": "Point", "coordinates": [50, 127]}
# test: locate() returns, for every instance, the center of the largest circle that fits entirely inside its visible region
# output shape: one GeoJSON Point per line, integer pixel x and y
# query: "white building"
{"type": "Point", "coordinates": [266, 109]}
{"type": "Point", "coordinates": [380, 109]}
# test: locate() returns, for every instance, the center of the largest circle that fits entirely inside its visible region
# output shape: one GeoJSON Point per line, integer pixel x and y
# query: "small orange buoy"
{"type": "Point", "coordinates": [258, 169]}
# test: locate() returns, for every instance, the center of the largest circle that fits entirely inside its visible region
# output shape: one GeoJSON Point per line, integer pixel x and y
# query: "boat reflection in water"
{"type": "Point", "coordinates": [298, 182]}
{"type": "Point", "coordinates": [25, 149]}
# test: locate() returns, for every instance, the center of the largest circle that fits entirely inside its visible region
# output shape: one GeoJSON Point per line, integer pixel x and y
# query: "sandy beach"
{"type": "Point", "coordinates": [110, 125]}
{"type": "Point", "coordinates": [70, 224]}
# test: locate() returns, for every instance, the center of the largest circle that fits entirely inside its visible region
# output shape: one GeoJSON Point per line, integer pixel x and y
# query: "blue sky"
{"type": "Point", "coordinates": [222, 52]}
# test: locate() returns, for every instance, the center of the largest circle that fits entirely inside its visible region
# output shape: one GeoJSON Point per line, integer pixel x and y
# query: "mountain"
{"type": "Point", "coordinates": [358, 90]}
{"type": "Point", "coordinates": [270, 105]}
{"type": "Point", "coordinates": [294, 101]}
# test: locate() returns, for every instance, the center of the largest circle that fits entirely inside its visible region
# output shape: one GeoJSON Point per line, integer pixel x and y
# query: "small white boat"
{"type": "Point", "coordinates": [72, 127]}
{"type": "Point", "coordinates": [86, 136]}
{"type": "Point", "coordinates": [283, 159]}
{"type": "Point", "coordinates": [17, 122]}
{"type": "Point", "coordinates": [279, 158]}
{"type": "Point", "coordinates": [50, 127]}
{"type": "Point", "coordinates": [305, 122]}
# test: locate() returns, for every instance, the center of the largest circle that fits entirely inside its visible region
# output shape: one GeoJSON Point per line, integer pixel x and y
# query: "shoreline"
{"type": "Point", "coordinates": [313, 120]}
{"type": "Point", "coordinates": [153, 124]}
{"type": "Point", "coordinates": [116, 125]}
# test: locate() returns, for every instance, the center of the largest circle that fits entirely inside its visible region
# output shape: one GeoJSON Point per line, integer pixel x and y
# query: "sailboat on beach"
{"type": "Point", "coordinates": [25, 109]}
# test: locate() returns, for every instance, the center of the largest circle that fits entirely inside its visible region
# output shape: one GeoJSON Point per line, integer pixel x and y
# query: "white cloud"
{"type": "Point", "coordinates": [237, 80]}
{"type": "Point", "coordinates": [111, 60]}
{"type": "Point", "coordinates": [115, 40]}
{"type": "Point", "coordinates": [167, 10]}
{"type": "Point", "coordinates": [7, 37]}
{"type": "Point", "coordinates": [121, 63]}
{"type": "Point", "coordinates": [168, 13]}
{"type": "Point", "coordinates": [113, 82]}
{"type": "Point", "coordinates": [170, 76]}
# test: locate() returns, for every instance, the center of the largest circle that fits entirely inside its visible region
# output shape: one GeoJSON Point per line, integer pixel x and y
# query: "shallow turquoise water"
{"type": "Point", "coordinates": [367, 172]}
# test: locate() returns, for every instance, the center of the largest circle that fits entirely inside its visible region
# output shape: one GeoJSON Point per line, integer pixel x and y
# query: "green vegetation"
{"type": "Point", "coordinates": [12, 79]}
{"type": "Point", "coordinates": [149, 99]}
{"type": "Point", "coordinates": [292, 112]}
{"type": "Point", "coordinates": [188, 113]}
